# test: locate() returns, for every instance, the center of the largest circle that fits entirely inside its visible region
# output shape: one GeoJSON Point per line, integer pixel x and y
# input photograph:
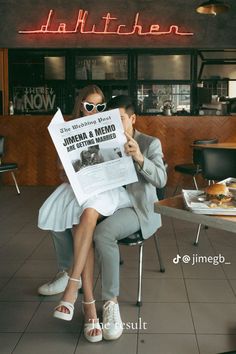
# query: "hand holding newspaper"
{"type": "Point", "coordinates": [91, 150]}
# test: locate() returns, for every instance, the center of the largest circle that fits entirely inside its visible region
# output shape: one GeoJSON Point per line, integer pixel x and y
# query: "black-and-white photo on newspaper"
{"type": "Point", "coordinates": [91, 150]}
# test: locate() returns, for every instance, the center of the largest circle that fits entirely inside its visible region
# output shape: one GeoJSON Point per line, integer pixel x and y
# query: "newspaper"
{"type": "Point", "coordinates": [91, 150]}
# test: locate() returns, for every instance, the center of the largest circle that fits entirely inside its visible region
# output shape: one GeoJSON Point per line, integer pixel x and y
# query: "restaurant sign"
{"type": "Point", "coordinates": [109, 27]}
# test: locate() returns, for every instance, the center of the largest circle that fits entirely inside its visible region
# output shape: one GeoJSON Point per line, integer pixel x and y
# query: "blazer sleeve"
{"type": "Point", "coordinates": [153, 169]}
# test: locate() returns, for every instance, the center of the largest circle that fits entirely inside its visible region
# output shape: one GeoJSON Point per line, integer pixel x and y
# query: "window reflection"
{"type": "Point", "coordinates": [155, 98]}
{"type": "Point", "coordinates": [164, 67]}
{"type": "Point", "coordinates": [54, 68]}
{"type": "Point", "coordinates": [101, 67]}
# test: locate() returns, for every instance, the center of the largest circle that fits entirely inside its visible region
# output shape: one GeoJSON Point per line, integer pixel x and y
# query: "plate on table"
{"type": "Point", "coordinates": [196, 202]}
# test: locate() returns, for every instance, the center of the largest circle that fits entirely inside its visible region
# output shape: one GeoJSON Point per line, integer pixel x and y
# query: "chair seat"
{"type": "Point", "coordinates": [8, 166]}
{"type": "Point", "coordinates": [188, 168]}
{"type": "Point", "coordinates": [132, 240]}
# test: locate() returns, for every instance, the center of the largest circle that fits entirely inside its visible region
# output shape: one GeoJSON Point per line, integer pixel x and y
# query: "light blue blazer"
{"type": "Point", "coordinates": [151, 176]}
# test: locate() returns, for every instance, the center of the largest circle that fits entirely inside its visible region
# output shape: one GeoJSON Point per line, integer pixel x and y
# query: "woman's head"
{"type": "Point", "coordinates": [89, 101]}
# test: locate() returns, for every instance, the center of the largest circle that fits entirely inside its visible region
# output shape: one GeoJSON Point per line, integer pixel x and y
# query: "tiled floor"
{"type": "Point", "coordinates": [189, 309]}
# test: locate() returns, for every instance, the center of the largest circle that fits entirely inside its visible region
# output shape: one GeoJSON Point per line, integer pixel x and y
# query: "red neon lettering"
{"type": "Point", "coordinates": [137, 28]}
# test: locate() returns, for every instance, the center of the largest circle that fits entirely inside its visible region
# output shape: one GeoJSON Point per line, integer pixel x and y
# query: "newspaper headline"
{"type": "Point", "coordinates": [91, 150]}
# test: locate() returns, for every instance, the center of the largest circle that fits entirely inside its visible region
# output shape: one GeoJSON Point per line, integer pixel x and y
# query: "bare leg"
{"type": "Point", "coordinates": [83, 236]}
{"type": "Point", "coordinates": [90, 312]}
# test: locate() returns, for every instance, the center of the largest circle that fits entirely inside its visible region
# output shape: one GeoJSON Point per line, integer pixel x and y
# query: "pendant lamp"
{"type": "Point", "coordinates": [212, 7]}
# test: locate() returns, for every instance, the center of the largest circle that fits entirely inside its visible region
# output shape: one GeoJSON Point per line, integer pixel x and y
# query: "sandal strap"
{"type": "Point", "coordinates": [66, 304]}
{"type": "Point", "coordinates": [88, 302]}
{"type": "Point", "coordinates": [92, 325]}
{"type": "Point", "coordinates": [74, 279]}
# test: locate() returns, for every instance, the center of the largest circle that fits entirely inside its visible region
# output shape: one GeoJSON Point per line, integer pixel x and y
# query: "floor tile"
{"type": "Point", "coordinates": [151, 269]}
{"type": "Point", "coordinates": [130, 318]}
{"type": "Point", "coordinates": [167, 344]}
{"type": "Point", "coordinates": [209, 290]}
{"type": "Point", "coordinates": [214, 318]}
{"type": "Point", "coordinates": [9, 267]}
{"type": "Point", "coordinates": [218, 343]}
{"type": "Point", "coordinates": [20, 248]}
{"type": "Point", "coordinates": [166, 318]}
{"type": "Point", "coordinates": [233, 284]}
{"type": "Point", "coordinates": [126, 344]}
{"type": "Point", "coordinates": [37, 269]}
{"type": "Point", "coordinates": [3, 282]}
{"type": "Point", "coordinates": [5, 237]}
{"type": "Point", "coordinates": [203, 271]}
{"type": "Point", "coordinates": [15, 316]}
{"type": "Point", "coordinates": [45, 251]}
{"type": "Point", "coordinates": [43, 320]}
{"type": "Point", "coordinates": [164, 290]}
{"type": "Point", "coordinates": [230, 269]}
{"type": "Point", "coordinates": [8, 342]}
{"type": "Point", "coordinates": [20, 289]}
{"type": "Point", "coordinates": [53, 343]}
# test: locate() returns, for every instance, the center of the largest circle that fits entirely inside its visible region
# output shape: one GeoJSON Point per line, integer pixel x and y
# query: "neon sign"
{"type": "Point", "coordinates": [121, 30]}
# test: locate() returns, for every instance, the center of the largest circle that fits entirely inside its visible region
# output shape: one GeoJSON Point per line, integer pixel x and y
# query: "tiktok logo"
{"type": "Point", "coordinates": [177, 259]}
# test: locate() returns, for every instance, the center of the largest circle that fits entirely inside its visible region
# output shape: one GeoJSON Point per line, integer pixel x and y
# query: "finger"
{"type": "Point", "coordinates": [129, 137]}
{"type": "Point", "coordinates": [132, 143]}
{"type": "Point", "coordinates": [126, 146]}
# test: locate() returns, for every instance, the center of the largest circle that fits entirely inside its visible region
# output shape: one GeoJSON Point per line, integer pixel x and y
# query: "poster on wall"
{"type": "Point", "coordinates": [37, 99]}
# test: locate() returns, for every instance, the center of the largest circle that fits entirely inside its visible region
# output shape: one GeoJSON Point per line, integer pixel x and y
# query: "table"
{"type": "Point", "coordinates": [175, 207]}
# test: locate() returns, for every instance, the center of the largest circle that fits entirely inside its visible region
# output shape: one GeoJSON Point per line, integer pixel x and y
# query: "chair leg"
{"type": "Point", "coordinates": [14, 178]}
{"type": "Point", "coordinates": [195, 182]}
{"type": "Point", "coordinates": [140, 270]}
{"type": "Point", "coordinates": [121, 260]}
{"type": "Point", "coordinates": [198, 234]}
{"type": "Point", "coordinates": [175, 191]}
{"type": "Point", "coordinates": [156, 241]}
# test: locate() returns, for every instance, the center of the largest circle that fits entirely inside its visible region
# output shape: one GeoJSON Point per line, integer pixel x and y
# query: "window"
{"type": "Point", "coordinates": [164, 67]}
{"type": "Point", "coordinates": [54, 68]}
{"type": "Point", "coordinates": [40, 80]}
{"type": "Point", "coordinates": [37, 81]}
{"type": "Point", "coordinates": [101, 67]}
{"type": "Point", "coordinates": [154, 98]}
{"type": "Point", "coordinates": [163, 81]}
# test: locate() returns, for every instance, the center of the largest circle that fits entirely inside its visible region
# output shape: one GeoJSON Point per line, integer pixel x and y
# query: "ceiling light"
{"type": "Point", "coordinates": [212, 7]}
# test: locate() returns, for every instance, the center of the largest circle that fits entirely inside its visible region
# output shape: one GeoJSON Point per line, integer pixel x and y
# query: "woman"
{"type": "Point", "coordinates": [61, 211]}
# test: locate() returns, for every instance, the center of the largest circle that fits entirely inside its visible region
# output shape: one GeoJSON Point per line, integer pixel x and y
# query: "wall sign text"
{"type": "Point", "coordinates": [121, 30]}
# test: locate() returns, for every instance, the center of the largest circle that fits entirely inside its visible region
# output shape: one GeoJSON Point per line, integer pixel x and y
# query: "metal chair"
{"type": "Point", "coordinates": [217, 164]}
{"type": "Point", "coordinates": [136, 239]}
{"type": "Point", "coordinates": [193, 169]}
{"type": "Point", "coordinates": [7, 166]}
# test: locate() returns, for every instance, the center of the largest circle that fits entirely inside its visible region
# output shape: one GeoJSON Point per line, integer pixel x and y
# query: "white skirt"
{"type": "Point", "coordinates": [61, 210]}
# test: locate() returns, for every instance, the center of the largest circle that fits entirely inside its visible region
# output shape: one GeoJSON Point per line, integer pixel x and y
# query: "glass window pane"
{"type": "Point", "coordinates": [219, 71]}
{"type": "Point", "coordinates": [27, 70]}
{"type": "Point", "coordinates": [154, 98]}
{"type": "Point", "coordinates": [120, 90]}
{"type": "Point", "coordinates": [38, 99]}
{"type": "Point", "coordinates": [221, 54]}
{"type": "Point", "coordinates": [164, 67]}
{"type": "Point", "coordinates": [101, 67]}
{"type": "Point", "coordinates": [54, 68]}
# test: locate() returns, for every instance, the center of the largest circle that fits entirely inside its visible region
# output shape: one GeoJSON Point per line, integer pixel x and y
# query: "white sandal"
{"type": "Point", "coordinates": [68, 305]}
{"type": "Point", "coordinates": [92, 325]}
